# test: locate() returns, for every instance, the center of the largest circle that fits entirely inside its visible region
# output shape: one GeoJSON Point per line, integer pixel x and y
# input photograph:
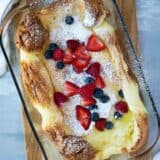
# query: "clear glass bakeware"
{"type": "Point", "coordinates": [8, 28]}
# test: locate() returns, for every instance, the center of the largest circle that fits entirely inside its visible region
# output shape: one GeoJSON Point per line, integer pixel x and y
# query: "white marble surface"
{"type": "Point", "coordinates": [11, 131]}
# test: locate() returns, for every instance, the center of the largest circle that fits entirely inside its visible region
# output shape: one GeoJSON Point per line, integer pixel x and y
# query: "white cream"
{"type": "Point", "coordinates": [78, 79]}
{"type": "Point", "coordinates": [69, 109]}
{"type": "Point", "coordinates": [65, 32]}
{"type": "Point", "coordinates": [77, 31]}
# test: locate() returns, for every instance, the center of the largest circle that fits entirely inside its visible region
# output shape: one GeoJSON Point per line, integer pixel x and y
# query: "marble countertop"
{"type": "Point", "coordinates": [11, 133]}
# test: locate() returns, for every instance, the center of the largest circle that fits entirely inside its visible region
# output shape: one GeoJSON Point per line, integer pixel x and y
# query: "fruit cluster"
{"type": "Point", "coordinates": [79, 56]}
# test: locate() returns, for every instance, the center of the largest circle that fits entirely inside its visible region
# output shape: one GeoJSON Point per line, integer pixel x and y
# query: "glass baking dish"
{"type": "Point", "coordinates": [8, 27]}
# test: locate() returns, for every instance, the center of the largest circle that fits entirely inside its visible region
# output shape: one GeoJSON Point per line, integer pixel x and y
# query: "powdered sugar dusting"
{"type": "Point", "coordinates": [106, 66]}
{"type": "Point", "coordinates": [69, 110]}
{"type": "Point", "coordinates": [105, 108]}
{"type": "Point", "coordinates": [65, 32]}
{"type": "Point", "coordinates": [77, 31]}
{"type": "Point", "coordinates": [76, 78]}
{"type": "Point", "coordinates": [89, 20]}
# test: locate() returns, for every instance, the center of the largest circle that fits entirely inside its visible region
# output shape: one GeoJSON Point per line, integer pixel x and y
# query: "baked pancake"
{"type": "Point", "coordinates": [75, 75]}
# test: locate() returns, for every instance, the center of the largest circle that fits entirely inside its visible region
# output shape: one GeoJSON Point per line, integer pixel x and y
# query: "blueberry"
{"type": "Point", "coordinates": [52, 46]}
{"type": "Point", "coordinates": [95, 116]}
{"type": "Point", "coordinates": [93, 107]}
{"type": "Point", "coordinates": [89, 80]}
{"type": "Point", "coordinates": [104, 99]}
{"type": "Point", "coordinates": [120, 93]}
{"type": "Point", "coordinates": [48, 54]}
{"type": "Point", "coordinates": [117, 115]}
{"type": "Point", "coordinates": [109, 125]}
{"type": "Point", "coordinates": [69, 20]}
{"type": "Point", "coordinates": [98, 93]}
{"type": "Point", "coordinates": [60, 65]}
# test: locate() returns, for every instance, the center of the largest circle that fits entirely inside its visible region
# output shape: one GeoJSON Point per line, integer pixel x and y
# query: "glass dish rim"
{"type": "Point", "coordinates": [133, 52]}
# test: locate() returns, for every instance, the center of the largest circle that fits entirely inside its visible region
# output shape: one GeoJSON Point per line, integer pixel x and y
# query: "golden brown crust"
{"type": "Point", "coordinates": [35, 83]}
{"type": "Point", "coordinates": [97, 11]}
{"type": "Point", "coordinates": [71, 147]}
{"type": "Point", "coordinates": [31, 34]}
{"type": "Point", "coordinates": [142, 123]}
{"type": "Point", "coordinates": [75, 148]}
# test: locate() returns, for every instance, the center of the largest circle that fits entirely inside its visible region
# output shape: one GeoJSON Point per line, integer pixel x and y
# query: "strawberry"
{"type": "Point", "coordinates": [88, 102]}
{"type": "Point", "coordinates": [73, 44]}
{"type": "Point", "coordinates": [79, 65]}
{"type": "Point", "coordinates": [83, 115]}
{"type": "Point", "coordinates": [94, 69]}
{"type": "Point", "coordinates": [100, 124]}
{"type": "Point", "coordinates": [95, 44]}
{"type": "Point", "coordinates": [87, 91]}
{"type": "Point", "coordinates": [100, 82]}
{"type": "Point", "coordinates": [59, 98]}
{"type": "Point", "coordinates": [68, 57]}
{"type": "Point", "coordinates": [58, 54]}
{"type": "Point", "coordinates": [81, 53]}
{"type": "Point", "coordinates": [121, 106]}
{"type": "Point", "coordinates": [71, 88]}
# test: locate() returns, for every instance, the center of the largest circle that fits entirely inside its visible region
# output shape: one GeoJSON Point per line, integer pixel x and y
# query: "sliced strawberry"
{"type": "Point", "coordinates": [79, 65]}
{"type": "Point", "coordinates": [95, 44]}
{"type": "Point", "coordinates": [58, 54]}
{"type": "Point", "coordinates": [88, 102]}
{"type": "Point", "coordinates": [81, 53]}
{"type": "Point", "coordinates": [71, 88]}
{"type": "Point", "coordinates": [100, 82]}
{"type": "Point", "coordinates": [60, 98]}
{"type": "Point", "coordinates": [84, 116]}
{"type": "Point", "coordinates": [73, 44]}
{"type": "Point", "coordinates": [68, 57]}
{"type": "Point", "coordinates": [87, 91]}
{"type": "Point", "coordinates": [94, 69]}
{"type": "Point", "coordinates": [100, 124]}
{"type": "Point", "coordinates": [85, 123]}
{"type": "Point", "coordinates": [122, 106]}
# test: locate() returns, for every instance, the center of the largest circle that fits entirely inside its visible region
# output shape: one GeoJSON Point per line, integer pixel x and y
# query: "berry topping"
{"type": "Point", "coordinates": [98, 93]}
{"type": "Point", "coordinates": [58, 54]}
{"type": "Point", "coordinates": [100, 124]}
{"type": "Point", "coordinates": [117, 115]}
{"type": "Point", "coordinates": [84, 116]}
{"type": "Point", "coordinates": [99, 82]}
{"type": "Point", "coordinates": [60, 98]}
{"type": "Point", "coordinates": [81, 53]}
{"type": "Point", "coordinates": [89, 80]}
{"type": "Point", "coordinates": [109, 125]}
{"type": "Point", "coordinates": [94, 69]}
{"type": "Point", "coordinates": [93, 107]}
{"type": "Point", "coordinates": [88, 102]}
{"type": "Point", "coordinates": [95, 116]}
{"type": "Point", "coordinates": [68, 57]}
{"type": "Point", "coordinates": [79, 65]}
{"type": "Point", "coordinates": [95, 44]}
{"type": "Point", "coordinates": [120, 93]}
{"type": "Point", "coordinates": [87, 91]}
{"type": "Point", "coordinates": [104, 99]}
{"type": "Point", "coordinates": [69, 20]}
{"type": "Point", "coordinates": [60, 65]}
{"type": "Point", "coordinates": [52, 47]}
{"type": "Point", "coordinates": [71, 88]}
{"type": "Point", "coordinates": [48, 54]}
{"type": "Point", "coordinates": [73, 44]}
{"type": "Point", "coordinates": [122, 107]}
